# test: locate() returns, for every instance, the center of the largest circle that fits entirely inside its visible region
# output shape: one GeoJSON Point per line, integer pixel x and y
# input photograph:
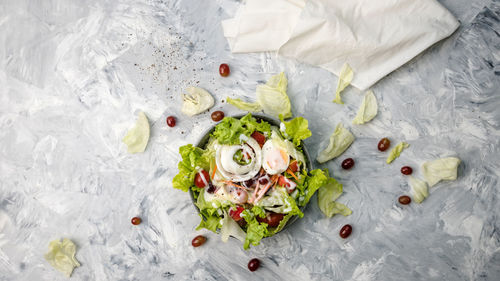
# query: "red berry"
{"type": "Point", "coordinates": [224, 70]}
{"type": "Point", "coordinates": [404, 200]}
{"type": "Point", "coordinates": [198, 241]}
{"type": "Point", "coordinates": [347, 163]}
{"type": "Point", "coordinates": [171, 121]}
{"type": "Point", "coordinates": [345, 231]}
{"type": "Point", "coordinates": [253, 264]}
{"type": "Point", "coordinates": [384, 144]}
{"type": "Point", "coordinates": [136, 220]}
{"type": "Point", "coordinates": [217, 116]}
{"type": "Point", "coordinates": [406, 170]}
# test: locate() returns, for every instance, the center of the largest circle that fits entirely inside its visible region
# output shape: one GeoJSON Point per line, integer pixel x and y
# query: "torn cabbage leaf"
{"type": "Point", "coordinates": [271, 98]}
{"type": "Point", "coordinates": [396, 151]}
{"type": "Point", "coordinates": [368, 109]}
{"type": "Point", "coordinates": [440, 169]}
{"type": "Point", "coordinates": [419, 189]}
{"type": "Point", "coordinates": [327, 195]}
{"type": "Point", "coordinates": [345, 78]}
{"type": "Point", "coordinates": [137, 137]}
{"type": "Point", "coordinates": [61, 256]}
{"type": "Point", "coordinates": [196, 101]}
{"type": "Point", "coordinates": [340, 140]}
{"type": "Point", "coordinates": [250, 107]}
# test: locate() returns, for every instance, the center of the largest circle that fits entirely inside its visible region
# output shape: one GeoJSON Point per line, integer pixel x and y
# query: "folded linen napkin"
{"type": "Point", "coordinates": [373, 37]}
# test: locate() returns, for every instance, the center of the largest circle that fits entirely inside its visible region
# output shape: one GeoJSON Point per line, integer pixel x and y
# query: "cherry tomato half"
{"type": "Point", "coordinates": [235, 214]}
{"type": "Point", "coordinates": [294, 166]}
{"type": "Point", "coordinates": [260, 138]}
{"type": "Point", "coordinates": [199, 181]}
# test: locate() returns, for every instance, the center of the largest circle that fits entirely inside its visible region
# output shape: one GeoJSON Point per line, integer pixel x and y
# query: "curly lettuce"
{"type": "Point", "coordinates": [230, 129]}
{"type": "Point", "coordinates": [296, 129]}
{"type": "Point", "coordinates": [192, 157]}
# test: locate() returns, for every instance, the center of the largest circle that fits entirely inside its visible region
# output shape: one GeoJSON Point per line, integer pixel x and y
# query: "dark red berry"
{"type": "Point", "coordinates": [404, 199]}
{"type": "Point", "coordinates": [198, 241]}
{"type": "Point", "coordinates": [171, 121]}
{"type": "Point", "coordinates": [253, 264]}
{"type": "Point", "coordinates": [136, 220]}
{"type": "Point", "coordinates": [384, 144]}
{"type": "Point", "coordinates": [224, 70]}
{"type": "Point", "coordinates": [406, 170]}
{"type": "Point", "coordinates": [217, 116]}
{"type": "Point", "coordinates": [348, 163]}
{"type": "Point", "coordinates": [345, 231]}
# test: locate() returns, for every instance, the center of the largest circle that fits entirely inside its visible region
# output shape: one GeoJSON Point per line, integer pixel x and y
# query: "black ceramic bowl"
{"type": "Point", "coordinates": [274, 122]}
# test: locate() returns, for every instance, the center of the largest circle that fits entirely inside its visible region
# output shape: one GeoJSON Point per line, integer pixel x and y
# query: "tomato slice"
{"type": "Point", "coordinates": [260, 138]}
{"type": "Point", "coordinates": [201, 179]}
{"type": "Point", "coordinates": [282, 181]}
{"type": "Point", "coordinates": [236, 213]}
{"type": "Point", "coordinates": [272, 219]}
{"type": "Point", "coordinates": [294, 166]}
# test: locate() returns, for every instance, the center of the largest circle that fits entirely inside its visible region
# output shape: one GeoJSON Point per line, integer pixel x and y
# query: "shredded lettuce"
{"type": "Point", "coordinates": [340, 140]}
{"type": "Point", "coordinates": [345, 78]}
{"type": "Point", "coordinates": [192, 157]}
{"type": "Point", "coordinates": [440, 169]}
{"type": "Point", "coordinates": [251, 107]}
{"type": "Point", "coordinates": [419, 189]}
{"type": "Point", "coordinates": [368, 109]}
{"type": "Point", "coordinates": [61, 256]}
{"type": "Point", "coordinates": [396, 151]}
{"type": "Point", "coordinates": [271, 98]}
{"type": "Point", "coordinates": [296, 129]}
{"type": "Point", "coordinates": [137, 138]}
{"type": "Point", "coordinates": [229, 130]}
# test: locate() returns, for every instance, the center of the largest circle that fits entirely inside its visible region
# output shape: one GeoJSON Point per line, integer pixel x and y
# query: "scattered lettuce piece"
{"type": "Point", "coordinates": [251, 107]}
{"type": "Point", "coordinates": [196, 101]}
{"type": "Point", "coordinates": [255, 232]}
{"type": "Point", "coordinates": [231, 228]}
{"type": "Point", "coordinates": [368, 109]}
{"type": "Point", "coordinates": [296, 129]}
{"type": "Point", "coordinates": [229, 130]}
{"type": "Point", "coordinates": [396, 151]}
{"type": "Point", "coordinates": [272, 96]}
{"type": "Point", "coordinates": [345, 78]}
{"type": "Point", "coordinates": [61, 256]}
{"type": "Point", "coordinates": [419, 189]}
{"type": "Point", "coordinates": [327, 195]}
{"type": "Point", "coordinates": [192, 157]}
{"type": "Point", "coordinates": [340, 140]}
{"type": "Point", "coordinates": [440, 169]}
{"type": "Point", "coordinates": [137, 137]}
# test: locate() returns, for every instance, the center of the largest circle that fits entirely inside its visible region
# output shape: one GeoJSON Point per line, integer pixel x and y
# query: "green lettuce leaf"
{"type": "Point", "coordinates": [317, 179]}
{"type": "Point", "coordinates": [259, 211]}
{"type": "Point", "coordinates": [340, 140]}
{"type": "Point", "coordinates": [273, 98]}
{"type": "Point", "coordinates": [61, 256]}
{"type": "Point", "coordinates": [251, 107]}
{"type": "Point", "coordinates": [368, 109]}
{"type": "Point", "coordinates": [345, 78]}
{"type": "Point", "coordinates": [137, 138]}
{"type": "Point", "coordinates": [296, 129]}
{"type": "Point", "coordinates": [192, 157]}
{"type": "Point", "coordinates": [282, 224]}
{"type": "Point", "coordinates": [231, 228]}
{"type": "Point", "coordinates": [279, 201]}
{"type": "Point", "coordinates": [419, 189]}
{"type": "Point", "coordinates": [229, 130]}
{"type": "Point", "coordinates": [211, 223]}
{"type": "Point", "coordinates": [440, 169]}
{"type": "Point", "coordinates": [255, 232]}
{"type": "Point", "coordinates": [396, 151]}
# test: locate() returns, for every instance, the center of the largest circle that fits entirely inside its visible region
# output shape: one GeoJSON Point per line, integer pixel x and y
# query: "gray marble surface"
{"type": "Point", "coordinates": [74, 75]}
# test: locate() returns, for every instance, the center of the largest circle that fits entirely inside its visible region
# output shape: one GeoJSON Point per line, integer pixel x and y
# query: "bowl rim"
{"type": "Point", "coordinates": [203, 140]}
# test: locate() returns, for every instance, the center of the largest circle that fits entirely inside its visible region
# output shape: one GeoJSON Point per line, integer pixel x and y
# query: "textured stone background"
{"type": "Point", "coordinates": [74, 74]}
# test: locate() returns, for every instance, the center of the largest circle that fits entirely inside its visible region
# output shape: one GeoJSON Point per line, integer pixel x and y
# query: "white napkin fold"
{"type": "Point", "coordinates": [373, 37]}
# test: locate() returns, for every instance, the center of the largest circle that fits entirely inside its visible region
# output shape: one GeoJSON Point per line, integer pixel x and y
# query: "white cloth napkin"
{"type": "Point", "coordinates": [374, 37]}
